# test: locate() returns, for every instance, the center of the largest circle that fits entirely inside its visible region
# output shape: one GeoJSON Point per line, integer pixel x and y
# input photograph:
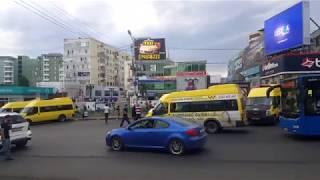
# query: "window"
{"type": "Point", "coordinates": [161, 124]}
{"type": "Point", "coordinates": [142, 124]}
{"type": "Point", "coordinates": [290, 102]}
{"type": "Point", "coordinates": [85, 51]}
{"type": "Point", "coordinates": [115, 93]}
{"type": "Point", "coordinates": [48, 108]}
{"type": "Point", "coordinates": [160, 109]}
{"type": "Point", "coordinates": [30, 110]}
{"type": "Point", "coordinates": [65, 107]}
{"type": "Point", "coordinates": [17, 110]}
{"type": "Point", "coordinates": [203, 106]}
{"type": "Point", "coordinates": [312, 103]}
{"type": "Point", "coordinates": [97, 93]}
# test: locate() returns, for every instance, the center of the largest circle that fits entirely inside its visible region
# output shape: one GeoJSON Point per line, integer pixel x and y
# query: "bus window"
{"type": "Point", "coordinates": [290, 103]}
{"type": "Point", "coordinates": [312, 101]}
{"type": "Point", "coordinates": [30, 110]}
{"type": "Point", "coordinates": [205, 106]}
{"type": "Point", "coordinates": [160, 109]}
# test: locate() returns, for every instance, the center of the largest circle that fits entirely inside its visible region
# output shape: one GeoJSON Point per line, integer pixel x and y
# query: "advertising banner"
{"type": "Point", "coordinates": [300, 63]}
{"type": "Point", "coordinates": [289, 29]}
{"type": "Point", "coordinates": [150, 49]}
{"type": "Point", "coordinates": [191, 80]}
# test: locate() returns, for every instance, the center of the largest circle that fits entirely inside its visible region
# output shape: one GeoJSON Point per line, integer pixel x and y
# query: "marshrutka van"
{"type": "Point", "coordinates": [219, 106]}
{"type": "Point", "coordinates": [14, 106]}
{"type": "Point", "coordinates": [260, 108]}
{"type": "Point", "coordinates": [46, 110]}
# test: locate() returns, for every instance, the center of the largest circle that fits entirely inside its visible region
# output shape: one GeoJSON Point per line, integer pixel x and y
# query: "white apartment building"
{"type": "Point", "coordinates": [8, 67]}
{"type": "Point", "coordinates": [90, 62]}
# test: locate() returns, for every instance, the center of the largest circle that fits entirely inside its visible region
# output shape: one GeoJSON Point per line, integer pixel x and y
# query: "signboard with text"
{"type": "Point", "coordinates": [303, 63]}
{"type": "Point", "coordinates": [150, 49]}
{"type": "Point", "coordinates": [289, 29]}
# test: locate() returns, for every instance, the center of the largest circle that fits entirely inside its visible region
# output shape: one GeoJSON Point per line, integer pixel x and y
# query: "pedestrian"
{"type": "Point", "coordinates": [133, 112]}
{"type": "Point", "coordinates": [5, 138]}
{"type": "Point", "coordinates": [125, 116]}
{"type": "Point", "coordinates": [138, 111]}
{"type": "Point", "coordinates": [85, 112]}
{"type": "Point", "coordinates": [118, 112]}
{"type": "Point", "coordinates": [106, 113]}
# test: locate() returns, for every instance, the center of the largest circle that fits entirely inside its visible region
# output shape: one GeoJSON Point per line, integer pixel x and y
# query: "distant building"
{"type": "Point", "coordinates": [8, 70]}
{"type": "Point", "coordinates": [90, 63]}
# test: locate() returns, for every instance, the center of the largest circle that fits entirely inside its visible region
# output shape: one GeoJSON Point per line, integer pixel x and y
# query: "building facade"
{"type": "Point", "coordinates": [8, 70]}
{"type": "Point", "coordinates": [51, 67]}
{"type": "Point", "coordinates": [90, 63]}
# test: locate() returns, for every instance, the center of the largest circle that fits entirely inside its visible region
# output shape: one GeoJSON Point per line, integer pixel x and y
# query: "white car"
{"type": "Point", "coordinates": [20, 132]}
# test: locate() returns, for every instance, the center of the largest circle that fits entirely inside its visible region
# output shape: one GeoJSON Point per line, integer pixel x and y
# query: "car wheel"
{"type": "Point", "coordinates": [176, 147]}
{"type": "Point", "coordinates": [116, 143]}
{"type": "Point", "coordinates": [21, 144]}
{"type": "Point", "coordinates": [62, 118]}
{"type": "Point", "coordinates": [212, 127]}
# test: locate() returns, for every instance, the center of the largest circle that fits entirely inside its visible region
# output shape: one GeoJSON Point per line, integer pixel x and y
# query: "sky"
{"type": "Point", "coordinates": [217, 24]}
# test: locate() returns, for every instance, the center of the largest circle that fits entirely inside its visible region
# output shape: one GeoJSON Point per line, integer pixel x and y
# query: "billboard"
{"type": "Point", "coordinates": [300, 63]}
{"type": "Point", "coordinates": [191, 80]}
{"type": "Point", "coordinates": [150, 49]}
{"type": "Point", "coordinates": [289, 29]}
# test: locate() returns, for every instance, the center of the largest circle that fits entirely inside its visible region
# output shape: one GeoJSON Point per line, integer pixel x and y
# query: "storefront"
{"type": "Point", "coordinates": [18, 93]}
{"type": "Point", "coordinates": [289, 65]}
{"type": "Point", "coordinates": [252, 75]}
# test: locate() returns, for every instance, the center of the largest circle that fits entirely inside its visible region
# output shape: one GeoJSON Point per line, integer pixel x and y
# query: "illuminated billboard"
{"type": "Point", "coordinates": [289, 29]}
{"type": "Point", "coordinates": [150, 49]}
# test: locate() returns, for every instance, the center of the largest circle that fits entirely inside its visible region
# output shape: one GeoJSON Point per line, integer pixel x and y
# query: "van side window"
{"type": "Point", "coordinates": [30, 110]}
{"type": "Point", "coordinates": [203, 106]}
{"type": "Point", "coordinates": [56, 108]}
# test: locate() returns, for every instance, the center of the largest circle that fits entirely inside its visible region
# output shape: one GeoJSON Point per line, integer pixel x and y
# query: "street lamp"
{"type": "Point", "coordinates": [133, 64]}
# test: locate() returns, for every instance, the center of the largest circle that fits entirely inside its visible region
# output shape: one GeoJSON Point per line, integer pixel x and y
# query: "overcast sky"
{"type": "Point", "coordinates": [184, 24]}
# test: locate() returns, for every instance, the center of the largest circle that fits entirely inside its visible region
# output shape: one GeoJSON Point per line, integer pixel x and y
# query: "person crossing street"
{"type": "Point", "coordinates": [5, 152]}
{"type": "Point", "coordinates": [125, 116]}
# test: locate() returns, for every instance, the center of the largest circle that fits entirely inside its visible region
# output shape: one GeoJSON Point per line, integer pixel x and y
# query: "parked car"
{"type": "Point", "coordinates": [20, 133]}
{"type": "Point", "coordinates": [171, 133]}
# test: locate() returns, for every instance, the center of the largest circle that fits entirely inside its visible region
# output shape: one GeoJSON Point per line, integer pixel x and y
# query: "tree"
{"type": "Point", "coordinates": [23, 81]}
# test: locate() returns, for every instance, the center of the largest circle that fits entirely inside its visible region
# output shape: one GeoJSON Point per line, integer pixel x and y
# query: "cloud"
{"type": "Point", "coordinates": [184, 24]}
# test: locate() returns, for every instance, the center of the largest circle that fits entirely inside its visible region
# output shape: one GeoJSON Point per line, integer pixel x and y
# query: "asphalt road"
{"type": "Point", "coordinates": [76, 150]}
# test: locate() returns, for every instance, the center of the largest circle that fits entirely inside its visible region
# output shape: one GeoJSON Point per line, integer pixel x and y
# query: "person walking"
{"type": "Point", "coordinates": [85, 112]}
{"type": "Point", "coordinates": [125, 116]}
{"type": "Point", "coordinates": [118, 112]}
{"type": "Point", "coordinates": [106, 113]}
{"type": "Point", "coordinates": [138, 112]}
{"type": "Point", "coordinates": [133, 112]}
{"type": "Point", "coordinates": [5, 138]}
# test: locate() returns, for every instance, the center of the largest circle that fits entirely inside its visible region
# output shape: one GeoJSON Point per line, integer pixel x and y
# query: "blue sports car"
{"type": "Point", "coordinates": [171, 133]}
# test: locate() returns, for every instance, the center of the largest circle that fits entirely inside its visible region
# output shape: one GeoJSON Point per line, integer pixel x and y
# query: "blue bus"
{"type": "Point", "coordinates": [300, 105]}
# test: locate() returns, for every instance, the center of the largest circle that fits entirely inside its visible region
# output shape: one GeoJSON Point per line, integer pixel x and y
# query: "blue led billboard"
{"type": "Point", "coordinates": [289, 29]}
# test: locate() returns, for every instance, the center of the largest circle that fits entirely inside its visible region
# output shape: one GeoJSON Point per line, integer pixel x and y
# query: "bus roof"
{"type": "Point", "coordinates": [262, 92]}
{"type": "Point", "coordinates": [212, 90]}
{"type": "Point", "coordinates": [48, 102]}
{"type": "Point", "coordinates": [18, 104]}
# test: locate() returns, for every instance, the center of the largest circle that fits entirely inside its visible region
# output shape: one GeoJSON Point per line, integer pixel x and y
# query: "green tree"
{"type": "Point", "coordinates": [23, 81]}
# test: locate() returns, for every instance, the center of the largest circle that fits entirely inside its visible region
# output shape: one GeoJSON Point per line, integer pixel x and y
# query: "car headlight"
{"type": "Point", "coordinates": [268, 113]}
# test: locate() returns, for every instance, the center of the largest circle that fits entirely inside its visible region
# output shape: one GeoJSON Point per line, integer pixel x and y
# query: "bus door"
{"type": "Point", "coordinates": [312, 106]}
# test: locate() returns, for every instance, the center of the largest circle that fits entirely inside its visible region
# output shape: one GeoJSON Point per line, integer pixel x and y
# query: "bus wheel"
{"type": "Point", "coordinates": [62, 118]}
{"type": "Point", "coordinates": [212, 127]}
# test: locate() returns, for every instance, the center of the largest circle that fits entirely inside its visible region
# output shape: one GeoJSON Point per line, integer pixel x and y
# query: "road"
{"type": "Point", "coordinates": [76, 150]}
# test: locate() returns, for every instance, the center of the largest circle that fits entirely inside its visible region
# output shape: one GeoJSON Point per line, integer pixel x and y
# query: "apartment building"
{"type": "Point", "coordinates": [51, 66]}
{"type": "Point", "coordinates": [8, 70]}
{"type": "Point", "coordinates": [92, 63]}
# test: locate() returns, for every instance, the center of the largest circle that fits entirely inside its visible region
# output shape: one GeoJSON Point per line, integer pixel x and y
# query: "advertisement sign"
{"type": "Point", "coordinates": [303, 63]}
{"type": "Point", "coordinates": [191, 80]}
{"type": "Point", "coordinates": [150, 49]}
{"type": "Point", "coordinates": [289, 29]}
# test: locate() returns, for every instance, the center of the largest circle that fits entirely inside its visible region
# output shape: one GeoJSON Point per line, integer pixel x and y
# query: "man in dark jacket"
{"type": "Point", "coordinates": [125, 116]}
{"type": "Point", "coordinates": [5, 138]}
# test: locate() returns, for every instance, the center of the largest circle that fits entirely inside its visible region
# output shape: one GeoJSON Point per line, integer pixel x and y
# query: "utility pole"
{"type": "Point", "coordinates": [133, 67]}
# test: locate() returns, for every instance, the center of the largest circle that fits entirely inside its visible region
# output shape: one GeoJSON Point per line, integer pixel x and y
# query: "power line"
{"type": "Point", "coordinates": [45, 17]}
{"type": "Point", "coordinates": [44, 11]}
{"type": "Point", "coordinates": [205, 49]}
{"type": "Point", "coordinates": [72, 18]}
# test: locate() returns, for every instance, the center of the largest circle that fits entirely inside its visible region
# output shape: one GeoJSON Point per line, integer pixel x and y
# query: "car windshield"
{"type": "Point", "coordinates": [258, 101]}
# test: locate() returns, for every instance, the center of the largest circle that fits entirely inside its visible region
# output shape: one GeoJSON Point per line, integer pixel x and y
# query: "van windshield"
{"type": "Point", "coordinates": [258, 101]}
{"type": "Point", "coordinates": [30, 110]}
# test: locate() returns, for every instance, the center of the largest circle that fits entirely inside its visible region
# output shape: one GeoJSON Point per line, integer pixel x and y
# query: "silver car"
{"type": "Point", "coordinates": [20, 132]}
